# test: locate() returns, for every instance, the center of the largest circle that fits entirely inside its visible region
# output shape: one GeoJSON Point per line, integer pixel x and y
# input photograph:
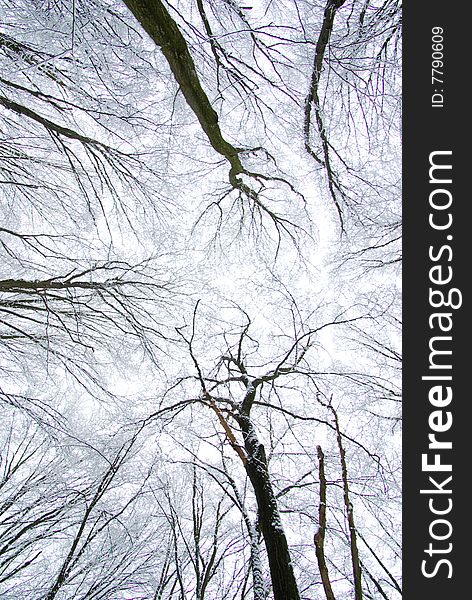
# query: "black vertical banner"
{"type": "Point", "coordinates": [437, 158]}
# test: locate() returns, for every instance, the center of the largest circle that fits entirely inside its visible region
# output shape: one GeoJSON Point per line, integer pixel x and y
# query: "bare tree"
{"type": "Point", "coordinates": [154, 155]}
{"type": "Point", "coordinates": [241, 383]}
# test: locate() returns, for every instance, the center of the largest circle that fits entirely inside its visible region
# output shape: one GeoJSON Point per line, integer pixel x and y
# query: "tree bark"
{"type": "Point", "coordinates": [320, 534]}
{"type": "Point", "coordinates": [284, 585]}
{"type": "Point", "coordinates": [164, 31]}
{"type": "Point", "coordinates": [356, 566]}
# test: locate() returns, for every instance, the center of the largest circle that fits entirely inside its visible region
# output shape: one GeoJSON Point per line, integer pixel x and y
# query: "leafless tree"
{"type": "Point", "coordinates": [251, 397]}
{"type": "Point", "coordinates": [199, 376]}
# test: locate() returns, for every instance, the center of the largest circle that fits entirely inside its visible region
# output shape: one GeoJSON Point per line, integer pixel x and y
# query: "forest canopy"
{"type": "Point", "coordinates": [200, 311]}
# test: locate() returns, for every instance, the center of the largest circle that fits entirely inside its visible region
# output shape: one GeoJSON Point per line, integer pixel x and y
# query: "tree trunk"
{"type": "Point", "coordinates": [320, 534]}
{"type": "Point", "coordinates": [284, 584]}
{"type": "Point", "coordinates": [164, 31]}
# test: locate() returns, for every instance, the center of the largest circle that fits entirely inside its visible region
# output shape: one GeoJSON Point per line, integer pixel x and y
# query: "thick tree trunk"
{"type": "Point", "coordinates": [320, 534]}
{"type": "Point", "coordinates": [284, 584]}
{"type": "Point", "coordinates": [156, 21]}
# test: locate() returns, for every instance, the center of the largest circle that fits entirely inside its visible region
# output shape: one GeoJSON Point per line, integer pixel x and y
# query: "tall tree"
{"type": "Point", "coordinates": [200, 242]}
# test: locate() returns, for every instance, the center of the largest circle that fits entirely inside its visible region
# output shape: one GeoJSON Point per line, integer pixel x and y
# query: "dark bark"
{"type": "Point", "coordinates": [284, 585]}
{"type": "Point", "coordinates": [332, 6]}
{"type": "Point", "coordinates": [55, 128]}
{"type": "Point", "coordinates": [25, 286]}
{"type": "Point", "coordinates": [164, 31]}
{"type": "Point", "coordinates": [320, 534]}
